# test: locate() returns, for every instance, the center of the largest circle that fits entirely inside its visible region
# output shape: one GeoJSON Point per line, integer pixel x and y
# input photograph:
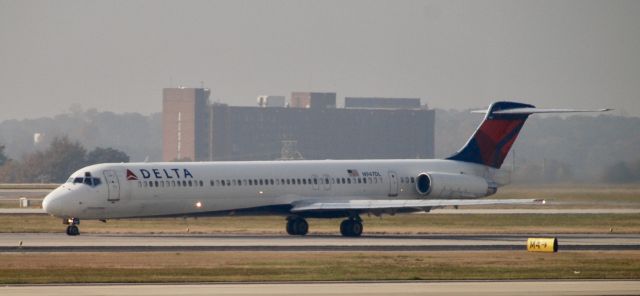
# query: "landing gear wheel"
{"type": "Point", "coordinates": [297, 226]}
{"type": "Point", "coordinates": [73, 230]}
{"type": "Point", "coordinates": [351, 228]}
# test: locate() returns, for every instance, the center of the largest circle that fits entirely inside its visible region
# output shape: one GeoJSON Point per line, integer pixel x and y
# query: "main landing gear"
{"type": "Point", "coordinates": [297, 226]}
{"type": "Point", "coordinates": [351, 227]}
{"type": "Point", "coordinates": [72, 229]}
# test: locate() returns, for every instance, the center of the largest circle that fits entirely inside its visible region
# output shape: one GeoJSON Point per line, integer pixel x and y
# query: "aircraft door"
{"type": "Point", "coordinates": [326, 182]}
{"type": "Point", "coordinates": [393, 183]}
{"type": "Point", "coordinates": [113, 185]}
{"type": "Point", "coordinates": [316, 180]}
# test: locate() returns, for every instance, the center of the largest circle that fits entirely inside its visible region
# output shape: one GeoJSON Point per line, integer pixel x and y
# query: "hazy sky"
{"type": "Point", "coordinates": [118, 55]}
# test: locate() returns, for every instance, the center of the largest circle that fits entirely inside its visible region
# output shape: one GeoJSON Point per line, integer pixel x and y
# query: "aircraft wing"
{"type": "Point", "coordinates": [304, 206]}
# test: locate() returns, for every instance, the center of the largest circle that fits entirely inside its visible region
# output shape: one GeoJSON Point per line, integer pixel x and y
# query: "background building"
{"type": "Point", "coordinates": [382, 103]}
{"type": "Point", "coordinates": [311, 127]}
{"type": "Point", "coordinates": [185, 123]}
{"type": "Point", "coordinates": [271, 101]}
{"type": "Point", "coordinates": [313, 100]}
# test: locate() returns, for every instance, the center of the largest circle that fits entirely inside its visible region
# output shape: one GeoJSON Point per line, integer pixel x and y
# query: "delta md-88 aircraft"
{"type": "Point", "coordinates": [298, 189]}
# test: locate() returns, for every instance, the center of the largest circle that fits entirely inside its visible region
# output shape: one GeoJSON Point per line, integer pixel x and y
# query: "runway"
{"type": "Point", "coordinates": [31, 242]}
{"type": "Point", "coordinates": [33, 193]}
{"type": "Point", "coordinates": [35, 211]}
{"type": "Point", "coordinates": [542, 287]}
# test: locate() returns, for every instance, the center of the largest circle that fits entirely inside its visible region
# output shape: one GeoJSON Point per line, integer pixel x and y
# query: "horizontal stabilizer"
{"type": "Point", "coordinates": [404, 204]}
{"type": "Point", "coordinates": [538, 110]}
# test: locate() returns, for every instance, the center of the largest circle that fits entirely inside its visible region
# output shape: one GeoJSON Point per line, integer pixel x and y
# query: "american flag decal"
{"type": "Point", "coordinates": [353, 173]}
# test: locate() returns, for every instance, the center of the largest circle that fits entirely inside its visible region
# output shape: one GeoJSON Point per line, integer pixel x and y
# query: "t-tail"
{"type": "Point", "coordinates": [492, 140]}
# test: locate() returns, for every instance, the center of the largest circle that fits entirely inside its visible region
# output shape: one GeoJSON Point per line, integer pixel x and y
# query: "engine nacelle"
{"type": "Point", "coordinates": [446, 185]}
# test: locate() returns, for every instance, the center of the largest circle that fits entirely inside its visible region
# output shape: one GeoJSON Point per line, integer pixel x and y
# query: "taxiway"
{"type": "Point", "coordinates": [493, 288]}
{"type": "Point", "coordinates": [54, 242]}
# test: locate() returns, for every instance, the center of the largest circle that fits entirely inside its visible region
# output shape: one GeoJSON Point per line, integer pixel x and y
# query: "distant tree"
{"type": "Point", "coordinates": [10, 172]}
{"type": "Point", "coordinates": [3, 157]}
{"type": "Point", "coordinates": [103, 155]}
{"type": "Point", "coordinates": [619, 173]}
{"type": "Point", "coordinates": [62, 158]}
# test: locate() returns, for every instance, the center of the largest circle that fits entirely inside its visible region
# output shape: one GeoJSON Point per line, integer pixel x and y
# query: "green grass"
{"type": "Point", "coordinates": [49, 268]}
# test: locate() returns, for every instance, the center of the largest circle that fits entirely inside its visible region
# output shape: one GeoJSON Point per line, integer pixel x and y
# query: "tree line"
{"type": "Point", "coordinates": [550, 149]}
{"type": "Point", "coordinates": [55, 163]}
{"type": "Point", "coordinates": [622, 172]}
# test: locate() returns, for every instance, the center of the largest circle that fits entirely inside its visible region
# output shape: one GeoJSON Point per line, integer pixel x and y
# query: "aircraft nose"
{"type": "Point", "coordinates": [52, 203]}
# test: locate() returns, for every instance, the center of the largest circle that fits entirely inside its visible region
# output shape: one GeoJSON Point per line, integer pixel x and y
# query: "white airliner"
{"type": "Point", "coordinates": [298, 189]}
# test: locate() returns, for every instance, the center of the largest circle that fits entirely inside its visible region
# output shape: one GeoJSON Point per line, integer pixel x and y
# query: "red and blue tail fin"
{"type": "Point", "coordinates": [491, 142]}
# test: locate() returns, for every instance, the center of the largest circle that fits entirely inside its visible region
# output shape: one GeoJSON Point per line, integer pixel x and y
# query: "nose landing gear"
{"type": "Point", "coordinates": [72, 229]}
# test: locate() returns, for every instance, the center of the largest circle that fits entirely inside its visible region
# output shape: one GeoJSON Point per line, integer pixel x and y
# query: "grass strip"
{"type": "Point", "coordinates": [43, 268]}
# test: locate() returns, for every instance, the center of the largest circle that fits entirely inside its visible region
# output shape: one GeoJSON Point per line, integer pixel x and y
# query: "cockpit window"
{"type": "Point", "coordinates": [91, 181]}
